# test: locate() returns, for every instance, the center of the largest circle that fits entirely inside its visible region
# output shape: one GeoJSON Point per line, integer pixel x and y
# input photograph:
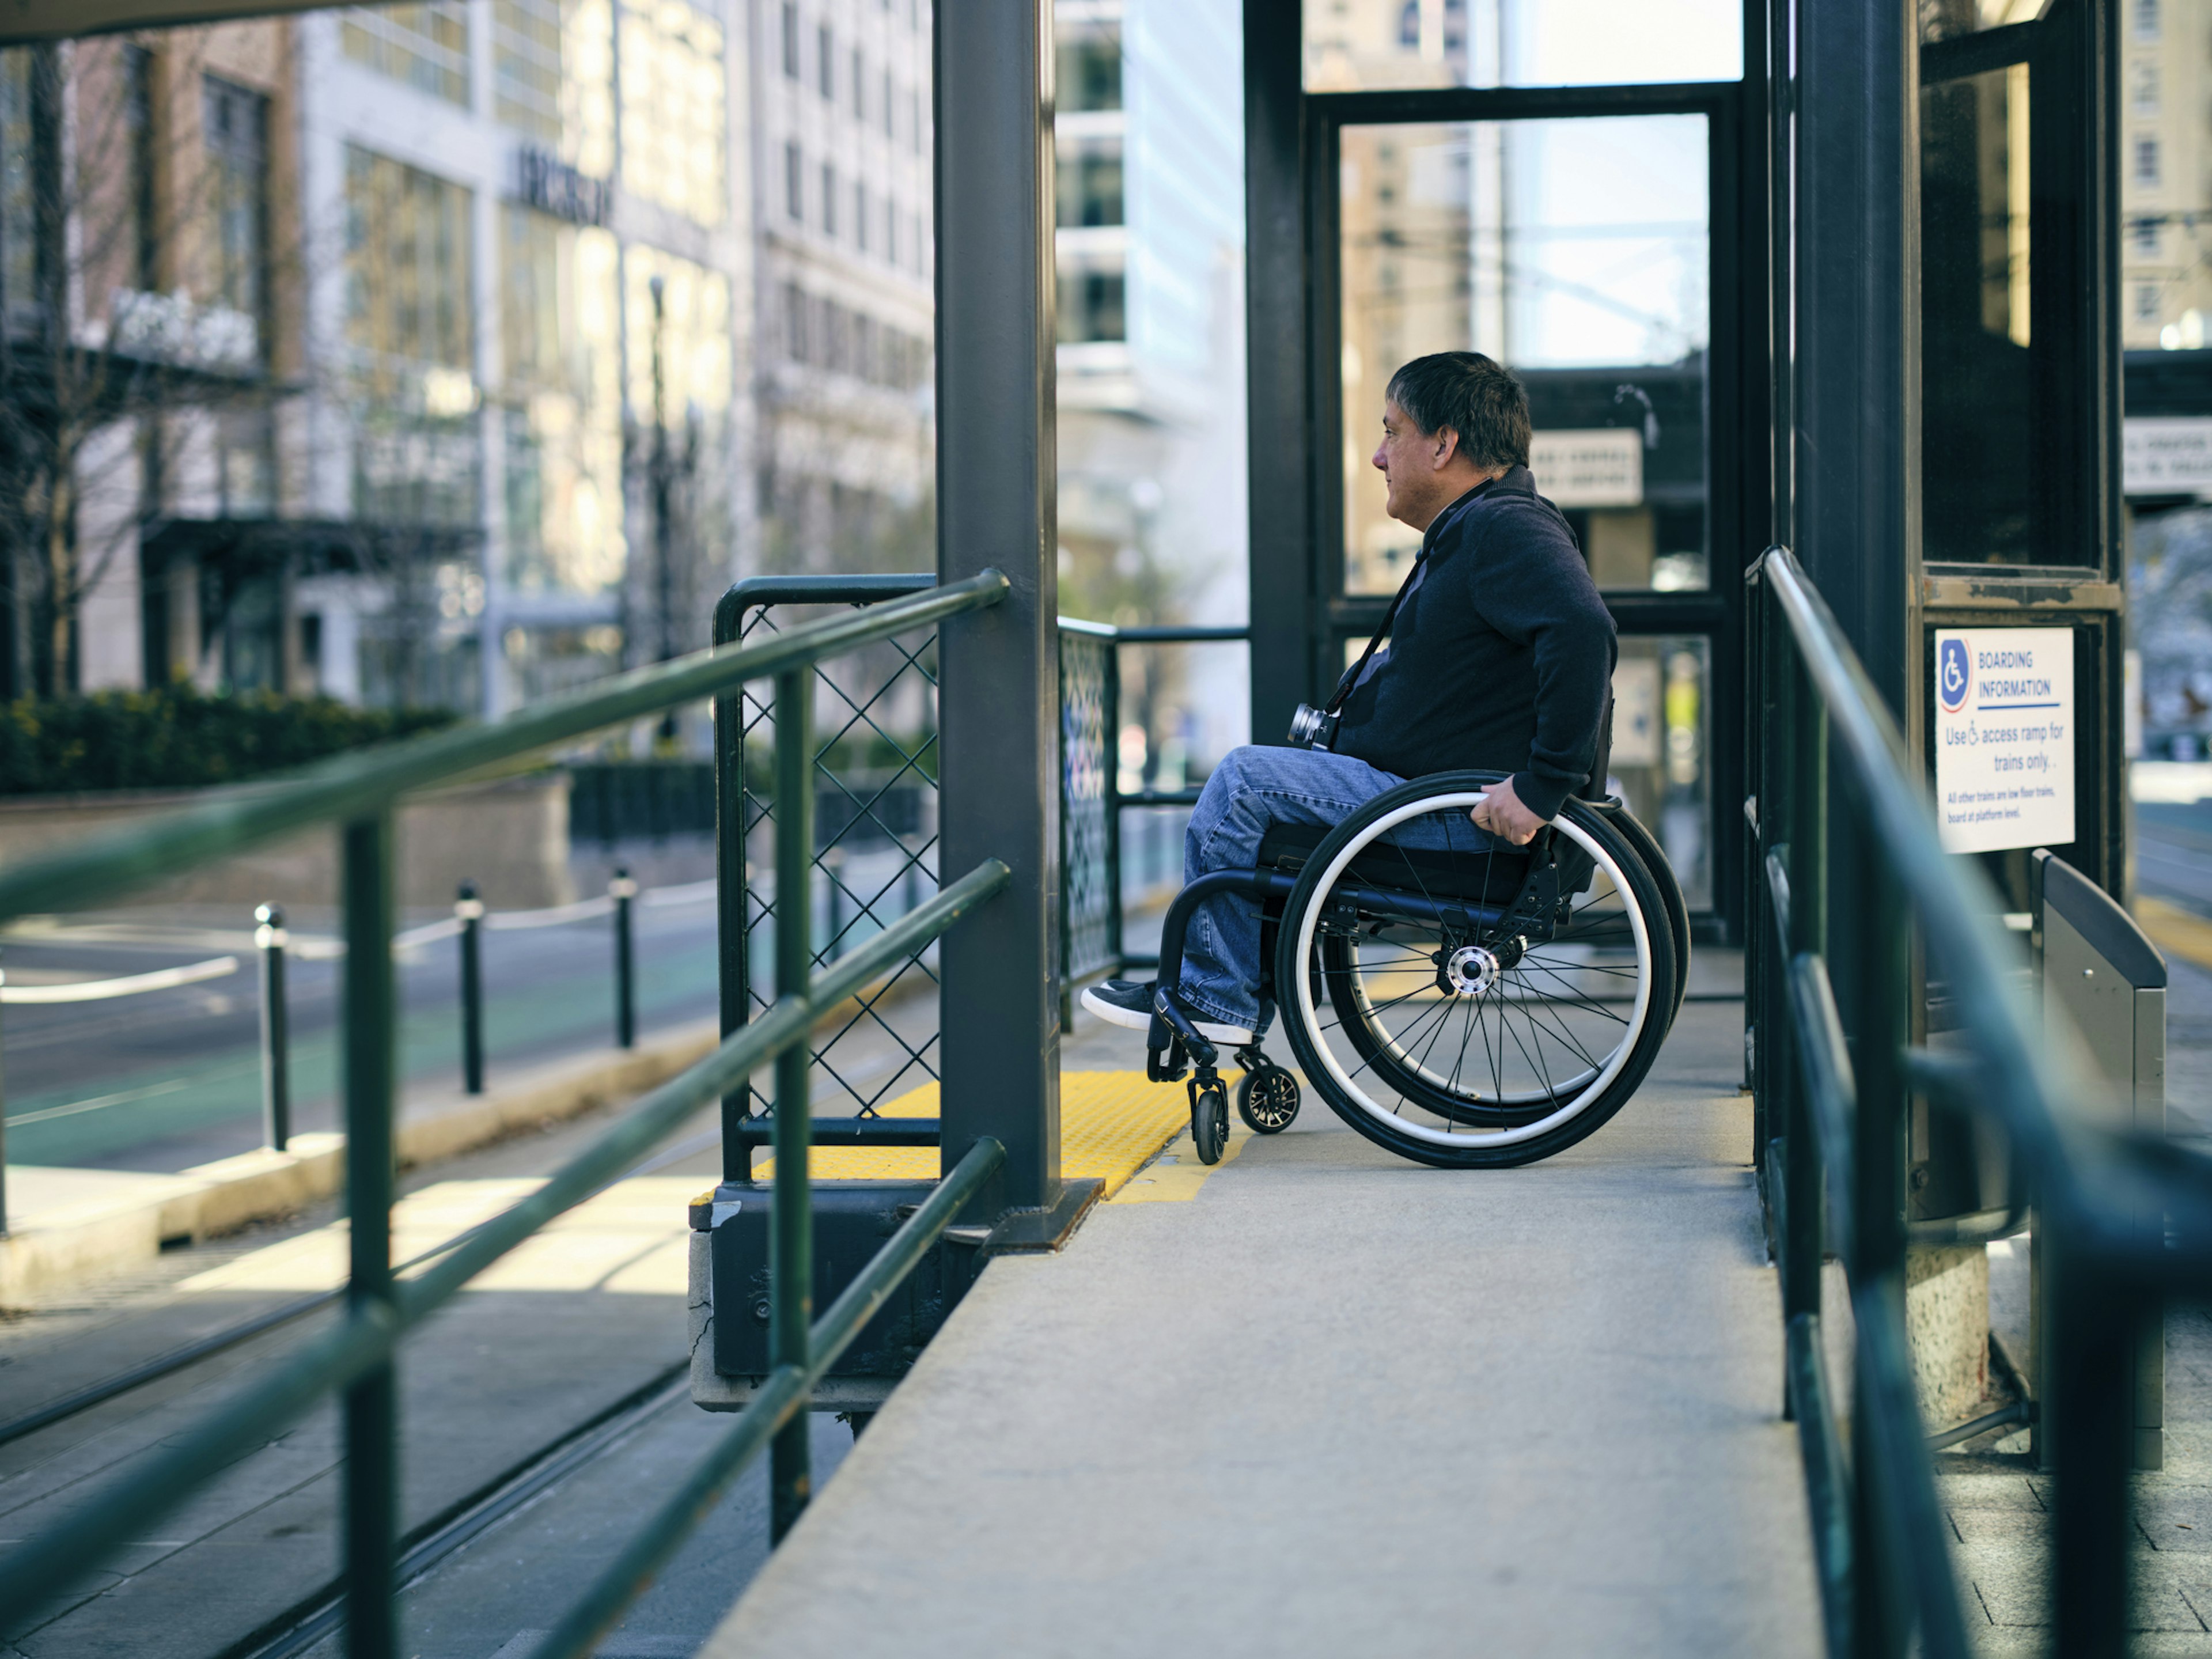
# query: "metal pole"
{"type": "Point", "coordinates": [269, 938]}
{"type": "Point", "coordinates": [791, 1242]}
{"type": "Point", "coordinates": [371, 1452]}
{"type": "Point", "coordinates": [1806, 824]}
{"type": "Point", "coordinates": [468, 907]}
{"type": "Point", "coordinates": [995, 469]}
{"type": "Point", "coordinates": [3, 1150]}
{"type": "Point", "coordinates": [623, 892]}
{"type": "Point", "coordinates": [1112, 698]}
{"type": "Point", "coordinates": [732, 901]}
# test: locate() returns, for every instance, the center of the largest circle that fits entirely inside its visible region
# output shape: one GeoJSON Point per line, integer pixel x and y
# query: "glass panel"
{"type": "Point", "coordinates": [1353, 46]}
{"type": "Point", "coordinates": [1662, 744]}
{"type": "Point", "coordinates": [1977, 396]}
{"type": "Point", "coordinates": [1575, 251]}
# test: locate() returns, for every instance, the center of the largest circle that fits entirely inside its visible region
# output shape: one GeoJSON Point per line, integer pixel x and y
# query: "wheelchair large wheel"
{"type": "Point", "coordinates": [1440, 1029]}
{"type": "Point", "coordinates": [1647, 849]}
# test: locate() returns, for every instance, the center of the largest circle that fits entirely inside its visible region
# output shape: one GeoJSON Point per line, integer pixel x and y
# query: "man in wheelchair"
{"type": "Point", "coordinates": [1497, 654]}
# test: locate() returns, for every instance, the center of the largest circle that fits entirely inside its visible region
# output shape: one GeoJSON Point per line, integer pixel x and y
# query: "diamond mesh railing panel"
{"type": "Point", "coordinates": [875, 767]}
{"type": "Point", "coordinates": [1089, 935]}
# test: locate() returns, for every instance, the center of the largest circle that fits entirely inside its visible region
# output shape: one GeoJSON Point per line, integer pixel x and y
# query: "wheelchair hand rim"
{"type": "Point", "coordinates": [1302, 982]}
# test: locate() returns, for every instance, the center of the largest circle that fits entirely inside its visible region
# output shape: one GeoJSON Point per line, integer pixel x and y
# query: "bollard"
{"type": "Point", "coordinates": [623, 890]}
{"type": "Point", "coordinates": [270, 938]}
{"type": "Point", "coordinates": [469, 910]}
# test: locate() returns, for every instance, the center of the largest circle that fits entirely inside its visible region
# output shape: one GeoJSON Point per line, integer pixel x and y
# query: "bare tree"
{"type": "Point", "coordinates": [144, 284]}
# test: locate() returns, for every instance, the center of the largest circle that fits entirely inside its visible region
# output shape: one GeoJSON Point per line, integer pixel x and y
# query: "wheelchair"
{"type": "Point", "coordinates": [1464, 1006]}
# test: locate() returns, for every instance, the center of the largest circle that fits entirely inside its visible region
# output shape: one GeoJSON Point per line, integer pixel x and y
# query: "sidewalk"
{"type": "Point", "coordinates": [66, 1226]}
{"type": "Point", "coordinates": [1319, 1401]}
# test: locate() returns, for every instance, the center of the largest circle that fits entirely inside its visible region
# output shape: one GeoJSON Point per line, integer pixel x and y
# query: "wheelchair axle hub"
{"type": "Point", "coordinates": [1473, 971]}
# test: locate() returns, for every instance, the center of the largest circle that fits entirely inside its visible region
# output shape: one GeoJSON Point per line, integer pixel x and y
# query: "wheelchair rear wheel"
{"type": "Point", "coordinates": [1449, 1001]}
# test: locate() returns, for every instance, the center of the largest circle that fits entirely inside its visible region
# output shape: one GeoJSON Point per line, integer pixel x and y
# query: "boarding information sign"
{"type": "Point", "coordinates": [2004, 738]}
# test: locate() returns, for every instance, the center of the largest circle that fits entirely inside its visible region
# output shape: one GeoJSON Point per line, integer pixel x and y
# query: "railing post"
{"type": "Point", "coordinates": [999, 719]}
{"type": "Point", "coordinates": [1805, 1177]}
{"type": "Point", "coordinates": [791, 1242]}
{"type": "Point", "coordinates": [469, 910]}
{"type": "Point", "coordinates": [732, 919]}
{"type": "Point", "coordinates": [623, 891]}
{"type": "Point", "coordinates": [269, 937]}
{"type": "Point", "coordinates": [1112, 720]}
{"type": "Point", "coordinates": [1872, 937]}
{"type": "Point", "coordinates": [372, 1472]}
{"type": "Point", "coordinates": [2089, 1422]}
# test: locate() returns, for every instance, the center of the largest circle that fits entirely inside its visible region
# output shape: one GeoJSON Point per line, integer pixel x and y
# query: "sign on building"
{"type": "Point", "coordinates": [551, 185]}
{"type": "Point", "coordinates": [2004, 738]}
{"type": "Point", "coordinates": [2166, 455]}
{"type": "Point", "coordinates": [1600, 467]}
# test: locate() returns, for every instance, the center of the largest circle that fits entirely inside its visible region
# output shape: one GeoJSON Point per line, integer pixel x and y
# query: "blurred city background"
{"type": "Point", "coordinates": [373, 368]}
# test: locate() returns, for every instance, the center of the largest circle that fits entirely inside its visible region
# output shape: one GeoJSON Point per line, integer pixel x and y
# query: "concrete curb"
{"type": "Point", "coordinates": [124, 1222]}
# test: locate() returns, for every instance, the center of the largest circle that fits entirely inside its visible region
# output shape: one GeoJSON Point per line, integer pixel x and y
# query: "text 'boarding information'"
{"type": "Point", "coordinates": [2004, 738]}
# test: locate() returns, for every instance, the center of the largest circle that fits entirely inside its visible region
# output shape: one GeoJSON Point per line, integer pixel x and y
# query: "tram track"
{"type": "Point", "coordinates": [321, 1613]}
{"type": "Point", "coordinates": [83, 1400]}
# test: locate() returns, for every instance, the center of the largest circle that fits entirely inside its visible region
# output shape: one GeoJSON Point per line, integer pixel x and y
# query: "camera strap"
{"type": "Point", "coordinates": [1351, 680]}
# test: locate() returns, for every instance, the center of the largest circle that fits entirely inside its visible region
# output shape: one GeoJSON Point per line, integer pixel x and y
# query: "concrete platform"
{"type": "Point", "coordinates": [1319, 1401]}
{"type": "Point", "coordinates": [67, 1227]}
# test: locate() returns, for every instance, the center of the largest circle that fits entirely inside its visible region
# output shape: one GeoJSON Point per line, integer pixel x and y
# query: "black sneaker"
{"type": "Point", "coordinates": [1125, 1002]}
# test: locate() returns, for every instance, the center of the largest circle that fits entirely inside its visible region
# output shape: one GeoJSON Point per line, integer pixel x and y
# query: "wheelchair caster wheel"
{"type": "Point", "coordinates": [1267, 1100]}
{"type": "Point", "coordinates": [1209, 1119]}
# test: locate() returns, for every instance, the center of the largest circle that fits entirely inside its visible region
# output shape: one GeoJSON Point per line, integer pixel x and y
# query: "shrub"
{"type": "Point", "coordinates": [178, 738]}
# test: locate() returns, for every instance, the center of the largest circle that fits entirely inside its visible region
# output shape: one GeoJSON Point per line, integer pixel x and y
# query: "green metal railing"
{"type": "Point", "coordinates": [358, 794]}
{"type": "Point", "coordinates": [1850, 876]}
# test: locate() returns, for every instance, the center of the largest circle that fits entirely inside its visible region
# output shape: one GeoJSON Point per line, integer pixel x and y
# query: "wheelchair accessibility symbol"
{"type": "Point", "coordinates": [1953, 676]}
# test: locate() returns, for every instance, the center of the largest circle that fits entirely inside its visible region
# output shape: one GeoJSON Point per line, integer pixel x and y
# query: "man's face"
{"type": "Point", "coordinates": [1407, 459]}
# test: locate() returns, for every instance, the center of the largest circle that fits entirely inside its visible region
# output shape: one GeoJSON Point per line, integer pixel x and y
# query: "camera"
{"type": "Point", "coordinates": [1314, 728]}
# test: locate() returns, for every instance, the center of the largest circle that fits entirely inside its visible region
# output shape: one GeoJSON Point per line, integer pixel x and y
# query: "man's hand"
{"type": "Point", "coordinates": [1500, 812]}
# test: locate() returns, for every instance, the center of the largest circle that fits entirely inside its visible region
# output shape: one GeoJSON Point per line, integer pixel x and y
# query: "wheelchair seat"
{"type": "Point", "coordinates": [1486, 877]}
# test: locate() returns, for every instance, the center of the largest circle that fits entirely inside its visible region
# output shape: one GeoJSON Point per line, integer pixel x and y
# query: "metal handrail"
{"type": "Point", "coordinates": [352, 785]}
{"type": "Point", "coordinates": [356, 1354]}
{"type": "Point", "coordinates": [1833, 1078]}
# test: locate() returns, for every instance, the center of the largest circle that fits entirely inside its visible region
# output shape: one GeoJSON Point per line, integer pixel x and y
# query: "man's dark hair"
{"type": "Point", "coordinates": [1474, 395]}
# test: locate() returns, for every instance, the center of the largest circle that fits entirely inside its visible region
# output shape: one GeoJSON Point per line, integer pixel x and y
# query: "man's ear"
{"type": "Point", "coordinates": [1447, 447]}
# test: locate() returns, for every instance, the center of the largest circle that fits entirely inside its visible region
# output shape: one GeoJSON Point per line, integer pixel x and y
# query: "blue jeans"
{"type": "Point", "coordinates": [1252, 789]}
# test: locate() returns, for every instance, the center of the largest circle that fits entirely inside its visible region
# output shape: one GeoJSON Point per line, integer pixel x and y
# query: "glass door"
{"type": "Point", "coordinates": [1577, 249]}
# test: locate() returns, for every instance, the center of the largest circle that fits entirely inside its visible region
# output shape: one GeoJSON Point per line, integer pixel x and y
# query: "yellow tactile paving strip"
{"type": "Point", "coordinates": [1111, 1124]}
{"type": "Point", "coordinates": [2175, 931]}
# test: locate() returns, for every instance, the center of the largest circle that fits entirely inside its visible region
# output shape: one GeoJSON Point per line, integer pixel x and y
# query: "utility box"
{"type": "Point", "coordinates": [2106, 981]}
{"type": "Point", "coordinates": [730, 1232]}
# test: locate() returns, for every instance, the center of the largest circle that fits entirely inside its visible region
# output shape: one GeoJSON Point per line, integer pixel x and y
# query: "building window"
{"type": "Point", "coordinates": [235, 133]}
{"type": "Point", "coordinates": [675, 135]}
{"type": "Point", "coordinates": [144, 252]}
{"type": "Point", "coordinates": [2147, 302]}
{"type": "Point", "coordinates": [2147, 160]}
{"type": "Point", "coordinates": [1409, 27]}
{"type": "Point", "coordinates": [829, 199]}
{"type": "Point", "coordinates": [2147, 239]}
{"type": "Point", "coordinates": [891, 232]}
{"type": "Point", "coordinates": [794, 185]}
{"type": "Point", "coordinates": [859, 86]}
{"type": "Point", "coordinates": [860, 215]}
{"type": "Point", "coordinates": [1089, 188]}
{"type": "Point", "coordinates": [407, 265]}
{"type": "Point", "coordinates": [790, 40]}
{"type": "Point", "coordinates": [1090, 70]}
{"type": "Point", "coordinates": [526, 67]}
{"type": "Point", "coordinates": [795, 323]}
{"type": "Point", "coordinates": [19, 214]}
{"type": "Point", "coordinates": [914, 119]}
{"type": "Point", "coordinates": [825, 61]}
{"type": "Point", "coordinates": [2142, 85]}
{"type": "Point", "coordinates": [425, 44]}
{"type": "Point", "coordinates": [2146, 19]}
{"type": "Point", "coordinates": [887, 105]}
{"type": "Point", "coordinates": [1091, 306]}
